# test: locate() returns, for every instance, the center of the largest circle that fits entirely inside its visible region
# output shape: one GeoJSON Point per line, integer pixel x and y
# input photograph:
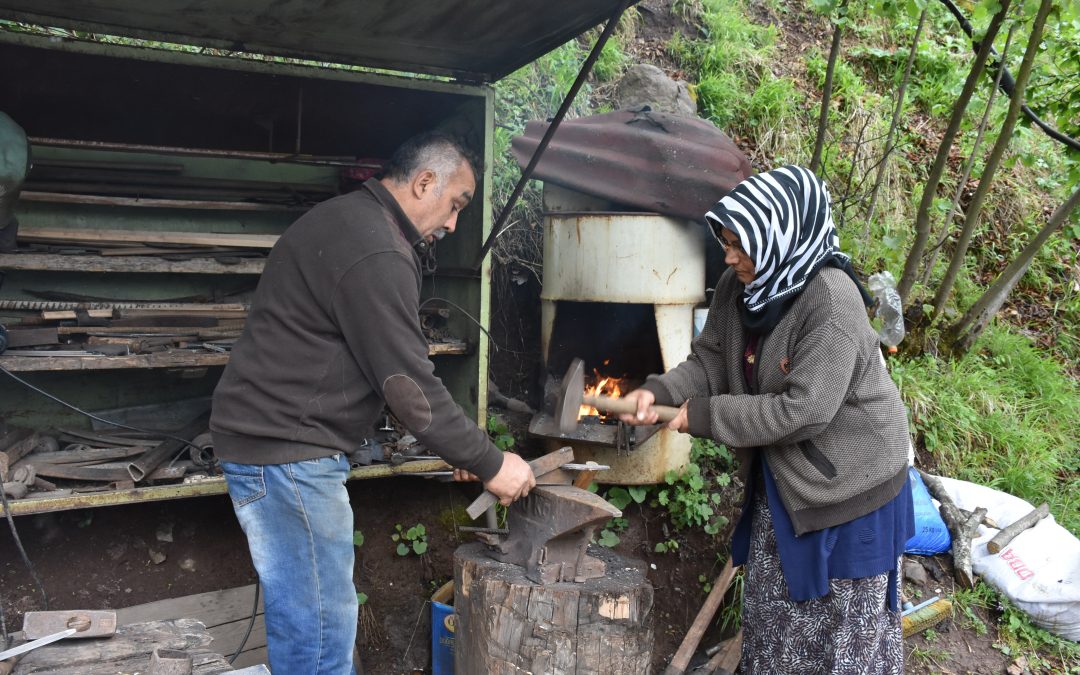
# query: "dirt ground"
{"type": "Point", "coordinates": [105, 558]}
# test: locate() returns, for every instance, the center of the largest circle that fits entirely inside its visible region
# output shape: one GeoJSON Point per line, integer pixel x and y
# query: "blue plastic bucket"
{"type": "Point", "coordinates": [443, 625]}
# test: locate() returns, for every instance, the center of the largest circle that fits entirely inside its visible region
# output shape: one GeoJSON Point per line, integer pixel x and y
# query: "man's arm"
{"type": "Point", "coordinates": [376, 308]}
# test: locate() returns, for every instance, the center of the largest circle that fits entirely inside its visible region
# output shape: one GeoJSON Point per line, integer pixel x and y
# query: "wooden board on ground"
{"type": "Point", "coordinates": [126, 652]}
{"type": "Point", "coordinates": [225, 613]}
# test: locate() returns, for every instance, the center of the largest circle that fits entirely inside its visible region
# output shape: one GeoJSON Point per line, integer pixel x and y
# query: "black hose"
{"type": "Point", "coordinates": [251, 624]}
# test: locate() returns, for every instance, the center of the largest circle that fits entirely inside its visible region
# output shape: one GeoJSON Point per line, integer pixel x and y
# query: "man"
{"type": "Point", "coordinates": [333, 333]}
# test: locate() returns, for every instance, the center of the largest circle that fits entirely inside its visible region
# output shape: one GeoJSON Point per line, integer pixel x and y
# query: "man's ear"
{"type": "Point", "coordinates": [423, 182]}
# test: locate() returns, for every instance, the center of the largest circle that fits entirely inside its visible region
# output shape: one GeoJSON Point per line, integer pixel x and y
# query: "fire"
{"type": "Point", "coordinates": [605, 386]}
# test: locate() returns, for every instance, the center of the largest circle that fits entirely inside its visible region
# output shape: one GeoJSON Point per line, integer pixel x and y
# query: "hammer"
{"type": "Point", "coordinates": [572, 396]}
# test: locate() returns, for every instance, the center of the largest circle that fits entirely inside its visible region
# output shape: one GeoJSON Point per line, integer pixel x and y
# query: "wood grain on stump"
{"type": "Point", "coordinates": [509, 624]}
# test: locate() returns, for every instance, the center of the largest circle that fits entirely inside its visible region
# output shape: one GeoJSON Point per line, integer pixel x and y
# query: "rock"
{"type": "Point", "coordinates": [645, 84]}
{"type": "Point", "coordinates": [915, 572]}
{"type": "Point", "coordinates": [157, 557]}
{"type": "Point", "coordinates": [116, 551]}
{"type": "Point", "coordinates": [187, 564]}
{"type": "Point", "coordinates": [164, 532]}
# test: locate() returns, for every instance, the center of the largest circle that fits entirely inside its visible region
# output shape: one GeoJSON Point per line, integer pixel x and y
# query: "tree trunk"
{"type": "Point", "coordinates": [900, 94]}
{"type": "Point", "coordinates": [928, 268]}
{"type": "Point", "coordinates": [826, 95]}
{"type": "Point", "coordinates": [507, 624]}
{"type": "Point", "coordinates": [964, 333]}
{"type": "Point", "coordinates": [922, 216]}
{"type": "Point", "coordinates": [992, 162]}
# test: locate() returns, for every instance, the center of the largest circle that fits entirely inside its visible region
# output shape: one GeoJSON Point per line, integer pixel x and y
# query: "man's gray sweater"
{"type": "Point", "coordinates": [825, 414]}
{"type": "Point", "coordinates": [334, 332]}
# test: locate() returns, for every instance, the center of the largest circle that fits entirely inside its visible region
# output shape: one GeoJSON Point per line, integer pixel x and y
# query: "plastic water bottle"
{"type": "Point", "coordinates": [889, 311]}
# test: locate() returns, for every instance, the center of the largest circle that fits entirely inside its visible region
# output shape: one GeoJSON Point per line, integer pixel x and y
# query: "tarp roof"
{"type": "Point", "coordinates": [475, 40]}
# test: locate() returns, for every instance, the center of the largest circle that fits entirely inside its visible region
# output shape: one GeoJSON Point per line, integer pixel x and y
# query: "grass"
{"type": "Point", "coordinates": [1003, 416]}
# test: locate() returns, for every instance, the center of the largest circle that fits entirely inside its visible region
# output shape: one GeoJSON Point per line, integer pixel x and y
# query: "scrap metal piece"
{"type": "Point", "coordinates": [550, 531]}
{"type": "Point", "coordinates": [668, 164]}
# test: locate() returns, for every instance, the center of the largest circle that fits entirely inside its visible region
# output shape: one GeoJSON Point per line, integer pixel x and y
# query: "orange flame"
{"type": "Point", "coordinates": [605, 386]}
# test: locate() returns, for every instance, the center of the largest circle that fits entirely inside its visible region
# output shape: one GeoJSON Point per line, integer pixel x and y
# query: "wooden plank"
{"type": "Point", "coordinates": [213, 608]}
{"type": "Point", "coordinates": [101, 200]}
{"type": "Point", "coordinates": [127, 651]}
{"type": "Point", "coordinates": [57, 234]}
{"type": "Point", "coordinates": [156, 360]}
{"type": "Point", "coordinates": [32, 337]}
{"type": "Point", "coordinates": [168, 359]}
{"type": "Point", "coordinates": [72, 314]}
{"type": "Point", "coordinates": [200, 488]}
{"type": "Point", "coordinates": [53, 262]}
{"type": "Point", "coordinates": [227, 636]}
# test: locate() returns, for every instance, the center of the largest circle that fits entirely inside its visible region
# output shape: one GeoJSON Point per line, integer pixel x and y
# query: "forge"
{"type": "Point", "coordinates": [620, 289]}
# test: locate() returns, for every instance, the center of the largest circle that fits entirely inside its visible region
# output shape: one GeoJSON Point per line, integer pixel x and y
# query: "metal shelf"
{"type": "Point", "coordinates": [200, 488]}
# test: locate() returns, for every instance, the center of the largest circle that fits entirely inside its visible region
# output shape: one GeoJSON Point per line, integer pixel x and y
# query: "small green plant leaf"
{"type": "Point", "coordinates": [361, 598]}
{"type": "Point", "coordinates": [402, 549]}
{"type": "Point", "coordinates": [357, 538]}
{"type": "Point", "coordinates": [419, 547]}
{"type": "Point", "coordinates": [608, 538]}
{"type": "Point", "coordinates": [619, 497]}
{"type": "Point", "coordinates": [638, 493]}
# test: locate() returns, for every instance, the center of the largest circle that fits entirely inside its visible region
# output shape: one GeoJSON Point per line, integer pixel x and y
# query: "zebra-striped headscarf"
{"type": "Point", "coordinates": [783, 219]}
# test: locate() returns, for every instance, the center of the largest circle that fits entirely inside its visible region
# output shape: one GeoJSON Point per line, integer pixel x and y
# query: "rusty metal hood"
{"type": "Point", "coordinates": [670, 164]}
{"type": "Point", "coordinates": [476, 40]}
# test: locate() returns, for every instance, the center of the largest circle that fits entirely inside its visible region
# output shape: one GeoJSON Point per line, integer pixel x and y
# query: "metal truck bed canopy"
{"type": "Point", "coordinates": [474, 40]}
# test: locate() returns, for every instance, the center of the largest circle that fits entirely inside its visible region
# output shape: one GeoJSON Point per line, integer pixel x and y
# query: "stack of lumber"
{"type": "Point", "coordinates": [129, 183]}
{"type": "Point", "coordinates": [170, 245]}
{"type": "Point", "coordinates": [119, 329]}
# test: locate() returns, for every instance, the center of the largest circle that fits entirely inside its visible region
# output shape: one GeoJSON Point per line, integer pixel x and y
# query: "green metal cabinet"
{"type": "Point", "coordinates": [288, 117]}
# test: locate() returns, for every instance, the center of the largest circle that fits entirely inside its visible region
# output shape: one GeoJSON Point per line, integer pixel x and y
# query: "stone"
{"type": "Point", "coordinates": [187, 564]}
{"type": "Point", "coordinates": [164, 532]}
{"type": "Point", "coordinates": [157, 557]}
{"type": "Point", "coordinates": [645, 84]}
{"type": "Point", "coordinates": [915, 572]}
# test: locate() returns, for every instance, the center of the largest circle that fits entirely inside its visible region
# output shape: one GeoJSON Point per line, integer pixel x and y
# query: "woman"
{"type": "Point", "coordinates": [788, 372]}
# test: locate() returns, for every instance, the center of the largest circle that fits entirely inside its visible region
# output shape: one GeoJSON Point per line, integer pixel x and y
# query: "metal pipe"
{"type": "Point", "coordinates": [586, 68]}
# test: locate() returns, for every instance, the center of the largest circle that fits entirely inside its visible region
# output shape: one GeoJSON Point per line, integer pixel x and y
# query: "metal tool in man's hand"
{"type": "Point", "coordinates": [539, 466]}
{"type": "Point", "coordinates": [572, 396]}
{"type": "Point", "coordinates": [549, 531]}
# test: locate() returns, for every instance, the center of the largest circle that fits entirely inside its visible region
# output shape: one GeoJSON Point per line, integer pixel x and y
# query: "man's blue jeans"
{"type": "Point", "coordinates": [299, 528]}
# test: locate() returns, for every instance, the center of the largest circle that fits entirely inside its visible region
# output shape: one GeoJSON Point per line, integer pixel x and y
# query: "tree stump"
{"type": "Point", "coordinates": [507, 624]}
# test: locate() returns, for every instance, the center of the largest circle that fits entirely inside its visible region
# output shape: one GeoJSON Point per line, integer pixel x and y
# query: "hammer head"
{"type": "Point", "coordinates": [571, 393]}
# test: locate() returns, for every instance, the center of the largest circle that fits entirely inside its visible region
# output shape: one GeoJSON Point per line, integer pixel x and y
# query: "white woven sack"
{"type": "Point", "coordinates": [1039, 570]}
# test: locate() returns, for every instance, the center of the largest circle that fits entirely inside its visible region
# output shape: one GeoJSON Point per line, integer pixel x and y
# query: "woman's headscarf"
{"type": "Point", "coordinates": [783, 219]}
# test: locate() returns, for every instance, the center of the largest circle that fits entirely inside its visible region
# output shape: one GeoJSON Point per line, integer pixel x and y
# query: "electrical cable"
{"type": "Point", "coordinates": [22, 551]}
{"type": "Point", "coordinates": [3, 496]}
{"type": "Point", "coordinates": [251, 624]}
{"type": "Point", "coordinates": [92, 415]}
{"type": "Point", "coordinates": [474, 320]}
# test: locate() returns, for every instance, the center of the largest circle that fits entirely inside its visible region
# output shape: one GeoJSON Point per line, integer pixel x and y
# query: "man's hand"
{"type": "Point", "coordinates": [513, 481]}
{"type": "Point", "coordinates": [643, 399]}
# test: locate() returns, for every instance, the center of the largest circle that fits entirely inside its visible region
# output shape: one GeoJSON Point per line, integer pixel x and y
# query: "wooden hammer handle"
{"type": "Point", "coordinates": [622, 406]}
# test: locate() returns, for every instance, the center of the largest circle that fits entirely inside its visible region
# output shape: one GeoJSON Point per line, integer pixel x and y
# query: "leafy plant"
{"type": "Point", "coordinates": [409, 540]}
{"type": "Point", "coordinates": [668, 546]}
{"type": "Point", "coordinates": [608, 536]}
{"type": "Point", "coordinates": [500, 433]}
